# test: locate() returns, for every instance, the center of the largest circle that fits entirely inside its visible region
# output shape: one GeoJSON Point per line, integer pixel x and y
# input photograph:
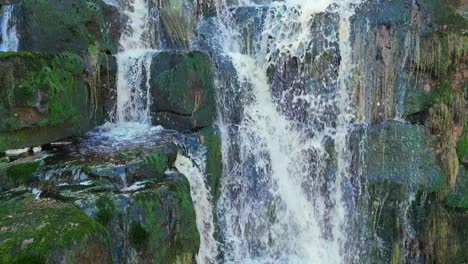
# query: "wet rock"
{"type": "Point", "coordinates": [77, 25]}
{"type": "Point", "coordinates": [182, 88]}
{"type": "Point", "coordinates": [398, 152]}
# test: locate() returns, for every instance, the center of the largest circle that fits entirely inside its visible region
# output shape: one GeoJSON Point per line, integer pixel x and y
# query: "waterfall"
{"type": "Point", "coordinates": [9, 41]}
{"type": "Point", "coordinates": [280, 202]}
{"type": "Point", "coordinates": [134, 65]}
{"type": "Point", "coordinates": [202, 202]}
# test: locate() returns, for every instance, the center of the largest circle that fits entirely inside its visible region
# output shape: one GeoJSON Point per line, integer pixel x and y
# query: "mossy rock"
{"type": "Point", "coordinates": [49, 231]}
{"type": "Point", "coordinates": [18, 173]}
{"type": "Point", "coordinates": [458, 198]}
{"type": "Point", "coordinates": [58, 26]}
{"type": "Point", "coordinates": [43, 97]}
{"type": "Point", "coordinates": [446, 235]}
{"type": "Point", "coordinates": [163, 223]}
{"type": "Point", "coordinates": [462, 149]}
{"type": "Point", "coordinates": [182, 84]}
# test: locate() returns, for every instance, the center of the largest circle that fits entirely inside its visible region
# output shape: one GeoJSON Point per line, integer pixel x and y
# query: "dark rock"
{"type": "Point", "coordinates": [182, 88]}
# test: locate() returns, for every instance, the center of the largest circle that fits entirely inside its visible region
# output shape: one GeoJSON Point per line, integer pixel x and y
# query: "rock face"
{"type": "Point", "coordinates": [55, 87]}
{"type": "Point", "coordinates": [45, 98]}
{"type": "Point", "coordinates": [183, 92]}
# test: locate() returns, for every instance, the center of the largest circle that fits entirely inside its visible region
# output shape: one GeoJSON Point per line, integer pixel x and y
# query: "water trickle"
{"type": "Point", "coordinates": [195, 173]}
{"type": "Point", "coordinates": [9, 41]}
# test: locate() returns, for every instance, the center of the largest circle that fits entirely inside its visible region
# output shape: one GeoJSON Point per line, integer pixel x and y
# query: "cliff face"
{"type": "Point", "coordinates": [408, 145]}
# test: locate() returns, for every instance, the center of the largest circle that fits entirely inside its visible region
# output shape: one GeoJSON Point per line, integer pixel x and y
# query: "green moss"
{"type": "Point", "coordinates": [158, 162]}
{"type": "Point", "coordinates": [168, 215]}
{"type": "Point", "coordinates": [105, 210]}
{"type": "Point", "coordinates": [442, 95]}
{"type": "Point", "coordinates": [22, 173]}
{"type": "Point", "coordinates": [211, 138]}
{"type": "Point", "coordinates": [462, 148]}
{"type": "Point", "coordinates": [48, 230]}
{"type": "Point", "coordinates": [445, 14]}
{"type": "Point", "coordinates": [138, 235]}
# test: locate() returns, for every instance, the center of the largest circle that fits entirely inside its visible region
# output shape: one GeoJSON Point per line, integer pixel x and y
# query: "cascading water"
{"type": "Point", "coordinates": [133, 89]}
{"type": "Point", "coordinates": [9, 41]}
{"type": "Point", "coordinates": [287, 189]}
{"type": "Point", "coordinates": [134, 65]}
{"type": "Point", "coordinates": [280, 203]}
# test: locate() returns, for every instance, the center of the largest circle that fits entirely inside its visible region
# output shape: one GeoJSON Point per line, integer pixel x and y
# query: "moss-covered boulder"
{"type": "Point", "coordinates": [162, 224]}
{"type": "Point", "coordinates": [58, 26]}
{"type": "Point", "coordinates": [49, 231]}
{"type": "Point", "coordinates": [401, 176]}
{"type": "Point", "coordinates": [183, 92]}
{"type": "Point", "coordinates": [46, 97]}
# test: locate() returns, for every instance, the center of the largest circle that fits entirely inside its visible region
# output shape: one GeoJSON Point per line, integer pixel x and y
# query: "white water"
{"type": "Point", "coordinates": [201, 197]}
{"type": "Point", "coordinates": [136, 35]}
{"type": "Point", "coordinates": [133, 87]}
{"type": "Point", "coordinates": [134, 66]}
{"type": "Point", "coordinates": [9, 34]}
{"type": "Point", "coordinates": [273, 208]}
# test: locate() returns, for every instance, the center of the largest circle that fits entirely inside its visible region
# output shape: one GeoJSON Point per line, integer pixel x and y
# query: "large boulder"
{"type": "Point", "coordinates": [47, 97]}
{"type": "Point", "coordinates": [183, 92]}
{"type": "Point", "coordinates": [57, 26]}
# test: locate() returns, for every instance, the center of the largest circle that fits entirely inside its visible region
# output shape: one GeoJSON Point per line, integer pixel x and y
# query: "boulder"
{"type": "Point", "coordinates": [182, 90]}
